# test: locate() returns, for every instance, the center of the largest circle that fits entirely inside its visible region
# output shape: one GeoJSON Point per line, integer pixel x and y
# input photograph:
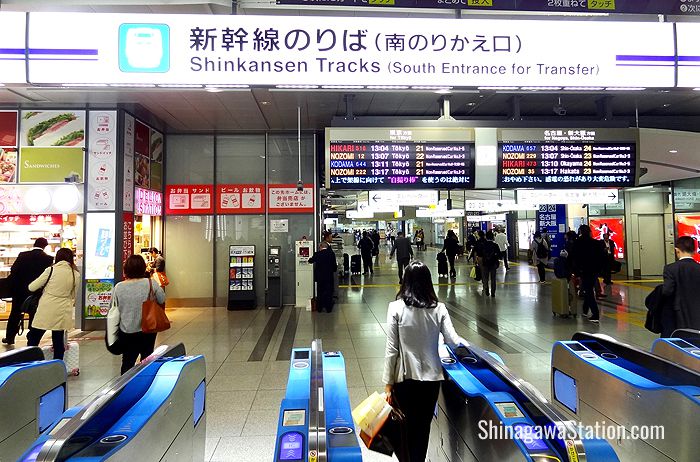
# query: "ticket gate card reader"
{"type": "Point", "coordinates": [597, 379]}
{"type": "Point", "coordinates": [33, 397]}
{"type": "Point", "coordinates": [274, 280]}
{"type": "Point", "coordinates": [682, 348]}
{"type": "Point", "coordinates": [315, 422]}
{"type": "Point", "coordinates": [480, 392]}
{"type": "Point", "coordinates": [155, 411]}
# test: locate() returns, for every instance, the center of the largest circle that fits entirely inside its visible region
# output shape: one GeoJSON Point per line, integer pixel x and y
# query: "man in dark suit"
{"type": "Point", "coordinates": [366, 248]}
{"type": "Point", "coordinates": [610, 251]}
{"type": "Point", "coordinates": [681, 282]}
{"type": "Point", "coordinates": [325, 267]}
{"type": "Point", "coordinates": [404, 252]}
{"type": "Point", "coordinates": [26, 268]}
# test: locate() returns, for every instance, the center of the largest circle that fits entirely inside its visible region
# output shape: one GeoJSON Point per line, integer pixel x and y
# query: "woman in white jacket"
{"type": "Point", "coordinates": [412, 367]}
{"type": "Point", "coordinates": [57, 303]}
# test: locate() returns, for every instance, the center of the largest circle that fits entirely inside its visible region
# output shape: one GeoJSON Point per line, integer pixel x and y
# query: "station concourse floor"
{"type": "Point", "coordinates": [247, 352]}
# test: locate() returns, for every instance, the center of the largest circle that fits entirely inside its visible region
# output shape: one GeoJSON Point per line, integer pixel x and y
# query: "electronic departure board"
{"type": "Point", "coordinates": [400, 159]}
{"type": "Point", "coordinates": [567, 161]}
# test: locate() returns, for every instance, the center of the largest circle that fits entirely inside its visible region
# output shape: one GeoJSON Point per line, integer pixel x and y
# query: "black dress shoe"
{"type": "Point", "coordinates": [8, 342]}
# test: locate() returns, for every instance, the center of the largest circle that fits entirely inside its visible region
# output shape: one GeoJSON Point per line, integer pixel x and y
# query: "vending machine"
{"type": "Point", "coordinates": [241, 277]}
{"type": "Point", "coordinates": [304, 273]}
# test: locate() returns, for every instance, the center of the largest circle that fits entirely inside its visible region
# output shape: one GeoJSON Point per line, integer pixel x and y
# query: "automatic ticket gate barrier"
{"type": "Point", "coordinates": [683, 348]}
{"type": "Point", "coordinates": [154, 412]}
{"type": "Point", "coordinates": [481, 393]}
{"type": "Point", "coordinates": [33, 397]}
{"type": "Point", "coordinates": [602, 381]}
{"type": "Point", "coordinates": [315, 422]}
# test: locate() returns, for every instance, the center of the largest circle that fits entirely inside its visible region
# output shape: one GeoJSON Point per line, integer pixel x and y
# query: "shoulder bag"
{"type": "Point", "coordinates": [113, 334]}
{"type": "Point", "coordinates": [31, 303]}
{"type": "Point", "coordinates": [153, 317]}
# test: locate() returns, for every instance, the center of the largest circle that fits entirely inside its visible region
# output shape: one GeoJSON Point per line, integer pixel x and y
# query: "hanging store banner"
{"type": "Point", "coordinates": [670, 7]}
{"type": "Point", "coordinates": [284, 198]}
{"type": "Point", "coordinates": [189, 199]}
{"type": "Point", "coordinates": [336, 51]}
{"type": "Point", "coordinates": [237, 199]}
{"type": "Point", "coordinates": [102, 178]}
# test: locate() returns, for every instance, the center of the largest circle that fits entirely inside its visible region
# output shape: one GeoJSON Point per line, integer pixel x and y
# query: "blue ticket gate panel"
{"type": "Point", "coordinates": [33, 397]}
{"type": "Point", "coordinates": [485, 413]}
{"type": "Point", "coordinates": [155, 411]}
{"type": "Point", "coordinates": [683, 348]}
{"type": "Point", "coordinates": [601, 381]}
{"type": "Point", "coordinates": [315, 421]}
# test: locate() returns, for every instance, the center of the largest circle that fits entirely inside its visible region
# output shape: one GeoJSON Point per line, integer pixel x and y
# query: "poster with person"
{"type": "Point", "coordinates": [613, 226]}
{"type": "Point", "coordinates": [689, 225]}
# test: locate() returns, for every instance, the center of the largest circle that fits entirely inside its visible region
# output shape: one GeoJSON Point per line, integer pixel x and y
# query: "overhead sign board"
{"type": "Point", "coordinates": [356, 214]}
{"type": "Point", "coordinates": [401, 158]}
{"type": "Point", "coordinates": [668, 7]}
{"type": "Point", "coordinates": [568, 196]}
{"type": "Point", "coordinates": [489, 205]}
{"type": "Point", "coordinates": [560, 158]}
{"type": "Point", "coordinates": [396, 199]}
{"type": "Point", "coordinates": [12, 62]}
{"type": "Point", "coordinates": [688, 37]}
{"type": "Point", "coordinates": [90, 48]}
{"type": "Point", "coordinates": [439, 213]}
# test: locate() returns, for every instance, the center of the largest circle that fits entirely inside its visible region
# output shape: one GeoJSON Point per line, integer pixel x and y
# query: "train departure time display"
{"type": "Point", "coordinates": [562, 162]}
{"type": "Point", "coordinates": [400, 158]}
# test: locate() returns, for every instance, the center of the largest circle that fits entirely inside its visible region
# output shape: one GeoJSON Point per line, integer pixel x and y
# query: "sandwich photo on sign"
{"type": "Point", "coordinates": [52, 128]}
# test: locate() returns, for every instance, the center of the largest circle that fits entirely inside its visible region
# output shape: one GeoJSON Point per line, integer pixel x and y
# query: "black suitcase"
{"type": "Point", "coordinates": [346, 264]}
{"type": "Point", "coordinates": [442, 264]}
{"type": "Point", "coordinates": [356, 264]}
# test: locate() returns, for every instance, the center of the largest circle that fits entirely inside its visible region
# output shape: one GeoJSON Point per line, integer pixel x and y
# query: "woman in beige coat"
{"type": "Point", "coordinates": [57, 303]}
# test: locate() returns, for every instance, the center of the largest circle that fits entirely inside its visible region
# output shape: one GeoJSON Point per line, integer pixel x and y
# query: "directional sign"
{"type": "Point", "coordinates": [410, 198]}
{"type": "Point", "coordinates": [355, 214]}
{"type": "Point", "coordinates": [488, 205]}
{"type": "Point", "coordinates": [568, 196]}
{"type": "Point", "coordinates": [437, 213]}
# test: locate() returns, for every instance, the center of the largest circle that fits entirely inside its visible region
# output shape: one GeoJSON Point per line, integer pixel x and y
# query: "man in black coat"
{"type": "Point", "coordinates": [366, 247]}
{"type": "Point", "coordinates": [325, 267]}
{"type": "Point", "coordinates": [681, 282]}
{"type": "Point", "coordinates": [404, 252]}
{"type": "Point", "coordinates": [610, 251]}
{"type": "Point", "coordinates": [587, 260]}
{"type": "Point", "coordinates": [26, 268]}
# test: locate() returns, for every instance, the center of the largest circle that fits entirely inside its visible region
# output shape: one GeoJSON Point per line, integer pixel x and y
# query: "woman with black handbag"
{"type": "Point", "coordinates": [56, 308]}
{"type": "Point", "coordinates": [412, 367]}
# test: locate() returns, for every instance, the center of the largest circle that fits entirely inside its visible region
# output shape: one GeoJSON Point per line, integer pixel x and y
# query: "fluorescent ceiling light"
{"type": "Point", "coordinates": [584, 88]}
{"type": "Point", "coordinates": [297, 86]}
{"type": "Point", "coordinates": [429, 87]}
{"type": "Point", "coordinates": [540, 88]}
{"type": "Point", "coordinates": [499, 88]}
{"type": "Point", "coordinates": [387, 87]}
{"type": "Point", "coordinates": [133, 85]}
{"type": "Point", "coordinates": [228, 85]}
{"type": "Point", "coordinates": [179, 85]}
{"type": "Point", "coordinates": [84, 85]}
{"type": "Point", "coordinates": [343, 87]}
{"type": "Point", "coordinates": [673, 151]}
{"type": "Point", "coordinates": [696, 89]}
{"type": "Point", "coordinates": [625, 88]}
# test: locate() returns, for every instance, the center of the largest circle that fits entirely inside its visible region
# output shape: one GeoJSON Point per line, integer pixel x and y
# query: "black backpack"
{"type": "Point", "coordinates": [542, 251]}
{"type": "Point", "coordinates": [491, 254]}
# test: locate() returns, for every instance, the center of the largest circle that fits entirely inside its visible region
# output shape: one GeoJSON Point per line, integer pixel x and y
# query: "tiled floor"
{"type": "Point", "coordinates": [247, 370]}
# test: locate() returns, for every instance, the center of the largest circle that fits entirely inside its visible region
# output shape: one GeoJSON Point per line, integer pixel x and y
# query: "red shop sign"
{"type": "Point", "coordinates": [237, 199]}
{"type": "Point", "coordinates": [189, 199]}
{"type": "Point", "coordinates": [148, 202]}
{"type": "Point", "coordinates": [284, 198]}
{"type": "Point", "coordinates": [32, 219]}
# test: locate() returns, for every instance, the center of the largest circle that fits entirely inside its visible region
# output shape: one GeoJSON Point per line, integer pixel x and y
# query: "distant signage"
{"type": "Point", "coordinates": [283, 50]}
{"type": "Point", "coordinates": [568, 196]}
{"type": "Point", "coordinates": [127, 235]}
{"type": "Point", "coordinates": [688, 37]}
{"type": "Point", "coordinates": [32, 219]}
{"type": "Point", "coordinates": [552, 220]}
{"type": "Point", "coordinates": [98, 295]}
{"type": "Point", "coordinates": [128, 197]}
{"type": "Point", "coordinates": [439, 213]}
{"type": "Point", "coordinates": [50, 165]}
{"type": "Point", "coordinates": [689, 225]}
{"type": "Point", "coordinates": [488, 205]}
{"type": "Point", "coordinates": [286, 199]}
{"type": "Point", "coordinates": [102, 178]}
{"type": "Point", "coordinates": [240, 199]}
{"type": "Point", "coordinates": [192, 199]}
{"type": "Point", "coordinates": [14, 67]}
{"type": "Point", "coordinates": [614, 228]}
{"type": "Point", "coordinates": [148, 202]}
{"type": "Point", "coordinates": [410, 158]}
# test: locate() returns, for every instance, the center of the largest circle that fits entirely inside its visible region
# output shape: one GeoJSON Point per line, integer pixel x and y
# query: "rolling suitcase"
{"type": "Point", "coordinates": [560, 297]}
{"type": "Point", "coordinates": [346, 264]}
{"type": "Point", "coordinates": [443, 270]}
{"type": "Point", "coordinates": [71, 357]}
{"type": "Point", "coordinates": [356, 264]}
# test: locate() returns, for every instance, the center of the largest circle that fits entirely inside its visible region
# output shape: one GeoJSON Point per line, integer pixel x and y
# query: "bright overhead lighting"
{"type": "Point", "coordinates": [133, 85]}
{"type": "Point", "coordinates": [443, 92]}
{"type": "Point", "coordinates": [2, 85]}
{"type": "Point", "coordinates": [696, 89]}
{"type": "Point", "coordinates": [499, 88]}
{"type": "Point", "coordinates": [583, 88]}
{"type": "Point", "coordinates": [214, 90]}
{"type": "Point", "coordinates": [539, 88]}
{"type": "Point", "coordinates": [229, 85]}
{"type": "Point", "coordinates": [429, 87]}
{"type": "Point", "coordinates": [83, 84]}
{"type": "Point", "coordinates": [673, 151]}
{"type": "Point", "coordinates": [387, 87]}
{"type": "Point", "coordinates": [343, 87]}
{"type": "Point", "coordinates": [179, 85]}
{"type": "Point", "coordinates": [297, 86]}
{"type": "Point", "coordinates": [625, 88]}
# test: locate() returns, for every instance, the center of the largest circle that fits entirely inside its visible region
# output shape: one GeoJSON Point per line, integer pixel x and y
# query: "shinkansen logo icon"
{"type": "Point", "coordinates": [144, 48]}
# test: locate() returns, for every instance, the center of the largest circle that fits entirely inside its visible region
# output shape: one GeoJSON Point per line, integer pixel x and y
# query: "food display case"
{"type": "Point", "coordinates": [241, 277]}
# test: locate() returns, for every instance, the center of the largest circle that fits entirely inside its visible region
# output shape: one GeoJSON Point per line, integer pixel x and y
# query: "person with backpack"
{"type": "Point", "coordinates": [489, 256]}
{"type": "Point", "coordinates": [540, 255]}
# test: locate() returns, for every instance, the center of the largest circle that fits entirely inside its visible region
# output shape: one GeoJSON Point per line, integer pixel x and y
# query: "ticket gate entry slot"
{"type": "Point", "coordinates": [315, 422]}
{"type": "Point", "coordinates": [33, 393]}
{"type": "Point", "coordinates": [596, 379]}
{"type": "Point", "coordinates": [274, 280]}
{"type": "Point", "coordinates": [683, 348]}
{"type": "Point", "coordinates": [481, 393]}
{"type": "Point", "coordinates": [155, 411]}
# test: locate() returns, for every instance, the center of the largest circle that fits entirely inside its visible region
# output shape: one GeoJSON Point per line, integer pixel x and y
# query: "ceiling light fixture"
{"type": "Point", "coordinates": [214, 90]}
{"type": "Point", "coordinates": [471, 103]}
{"type": "Point", "coordinates": [696, 89]}
{"type": "Point", "coordinates": [303, 87]}
{"type": "Point", "coordinates": [429, 87]}
{"type": "Point", "coordinates": [624, 88]}
{"type": "Point", "coordinates": [179, 85]}
{"type": "Point", "coordinates": [83, 85]}
{"type": "Point", "coordinates": [667, 105]}
{"type": "Point", "coordinates": [584, 88]}
{"type": "Point", "coordinates": [133, 85]}
{"type": "Point", "coordinates": [387, 87]}
{"type": "Point", "coordinates": [539, 88]}
{"type": "Point", "coordinates": [673, 151]}
{"type": "Point", "coordinates": [499, 88]}
{"type": "Point", "coordinates": [264, 103]}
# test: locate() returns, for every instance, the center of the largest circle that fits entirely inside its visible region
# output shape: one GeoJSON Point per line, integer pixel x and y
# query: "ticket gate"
{"type": "Point", "coordinates": [487, 414]}
{"type": "Point", "coordinates": [597, 379]}
{"type": "Point", "coordinates": [683, 348]}
{"type": "Point", "coordinates": [315, 422]}
{"type": "Point", "coordinates": [154, 412]}
{"type": "Point", "coordinates": [33, 397]}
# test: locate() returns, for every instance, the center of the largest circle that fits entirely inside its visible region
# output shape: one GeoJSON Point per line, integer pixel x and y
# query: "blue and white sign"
{"type": "Point", "coordinates": [688, 54]}
{"type": "Point", "coordinates": [552, 219]}
{"type": "Point", "coordinates": [12, 62]}
{"type": "Point", "coordinates": [79, 48]}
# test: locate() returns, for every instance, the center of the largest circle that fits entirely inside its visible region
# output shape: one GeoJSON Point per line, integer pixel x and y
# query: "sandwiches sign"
{"type": "Point", "coordinates": [50, 165]}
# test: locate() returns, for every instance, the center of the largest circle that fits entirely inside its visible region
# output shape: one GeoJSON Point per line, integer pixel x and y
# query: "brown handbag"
{"type": "Point", "coordinates": [153, 317]}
